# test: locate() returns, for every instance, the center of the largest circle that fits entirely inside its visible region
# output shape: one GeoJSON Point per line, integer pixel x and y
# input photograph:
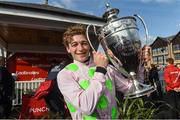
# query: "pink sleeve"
{"type": "Point", "coordinates": [121, 83]}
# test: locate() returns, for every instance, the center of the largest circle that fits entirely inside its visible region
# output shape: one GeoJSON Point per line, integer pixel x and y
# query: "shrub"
{"type": "Point", "coordinates": [136, 109]}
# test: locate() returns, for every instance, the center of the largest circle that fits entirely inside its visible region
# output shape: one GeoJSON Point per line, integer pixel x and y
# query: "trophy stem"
{"type": "Point", "coordinates": [139, 89]}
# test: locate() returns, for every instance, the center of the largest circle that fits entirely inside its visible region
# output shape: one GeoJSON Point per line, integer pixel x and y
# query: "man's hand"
{"type": "Point", "coordinates": [177, 89]}
{"type": "Point", "coordinates": [100, 59]}
{"type": "Point", "coordinates": [110, 53]}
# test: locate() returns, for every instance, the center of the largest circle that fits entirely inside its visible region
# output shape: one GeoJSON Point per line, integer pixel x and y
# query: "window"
{"type": "Point", "coordinates": [165, 57]}
{"type": "Point", "coordinates": [166, 49]}
{"type": "Point", "coordinates": [160, 50]}
{"type": "Point", "coordinates": [155, 59]}
{"type": "Point", "coordinates": [177, 56]}
{"type": "Point", "coordinates": [155, 51]}
{"type": "Point", "coordinates": [160, 58]}
{"type": "Point", "coordinates": [176, 47]}
{"type": "Point", "coordinates": [163, 50]}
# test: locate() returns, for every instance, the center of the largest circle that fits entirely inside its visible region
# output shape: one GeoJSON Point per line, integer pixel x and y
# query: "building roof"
{"type": "Point", "coordinates": [176, 38]}
{"type": "Point", "coordinates": [163, 41]}
{"type": "Point", "coordinates": [47, 8]}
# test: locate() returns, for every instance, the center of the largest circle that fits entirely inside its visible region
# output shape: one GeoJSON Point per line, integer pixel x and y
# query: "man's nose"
{"type": "Point", "coordinates": [80, 47]}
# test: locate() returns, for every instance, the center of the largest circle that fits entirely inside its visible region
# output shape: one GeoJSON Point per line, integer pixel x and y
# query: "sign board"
{"type": "Point", "coordinates": [33, 66]}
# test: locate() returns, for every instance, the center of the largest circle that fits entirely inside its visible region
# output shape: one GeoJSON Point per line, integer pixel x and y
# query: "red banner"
{"type": "Point", "coordinates": [33, 66]}
{"type": "Point", "coordinates": [33, 108]}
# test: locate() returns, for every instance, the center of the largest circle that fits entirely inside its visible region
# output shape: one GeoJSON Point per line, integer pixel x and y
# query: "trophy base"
{"type": "Point", "coordinates": [140, 90]}
{"type": "Point", "coordinates": [140, 93]}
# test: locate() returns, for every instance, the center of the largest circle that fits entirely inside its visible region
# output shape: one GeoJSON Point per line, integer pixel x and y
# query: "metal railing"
{"type": "Point", "coordinates": [25, 87]}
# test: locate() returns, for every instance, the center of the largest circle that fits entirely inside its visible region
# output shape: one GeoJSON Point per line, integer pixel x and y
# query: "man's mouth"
{"type": "Point", "coordinates": [80, 53]}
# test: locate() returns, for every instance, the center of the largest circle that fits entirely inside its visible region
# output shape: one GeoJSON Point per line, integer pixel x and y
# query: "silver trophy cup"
{"type": "Point", "coordinates": [121, 36]}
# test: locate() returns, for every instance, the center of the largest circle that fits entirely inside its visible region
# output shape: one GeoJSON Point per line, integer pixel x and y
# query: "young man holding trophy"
{"type": "Point", "coordinates": [88, 84]}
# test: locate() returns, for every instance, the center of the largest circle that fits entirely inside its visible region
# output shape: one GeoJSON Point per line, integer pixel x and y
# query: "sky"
{"type": "Point", "coordinates": [162, 17]}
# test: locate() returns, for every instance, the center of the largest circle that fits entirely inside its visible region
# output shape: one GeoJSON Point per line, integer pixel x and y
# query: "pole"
{"type": "Point", "coordinates": [162, 50]}
{"type": "Point", "coordinates": [163, 60]}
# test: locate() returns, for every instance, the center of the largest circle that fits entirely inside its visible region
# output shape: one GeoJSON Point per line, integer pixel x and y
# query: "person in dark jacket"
{"type": "Point", "coordinates": [154, 81]}
{"type": "Point", "coordinates": [54, 99]}
{"type": "Point", "coordinates": [7, 85]}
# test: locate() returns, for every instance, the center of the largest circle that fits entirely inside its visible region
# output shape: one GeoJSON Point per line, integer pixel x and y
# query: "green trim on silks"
{"type": "Point", "coordinates": [84, 84]}
{"type": "Point", "coordinates": [71, 107]}
{"type": "Point", "coordinates": [90, 117]}
{"type": "Point", "coordinates": [91, 71]}
{"type": "Point", "coordinates": [72, 67]}
{"type": "Point", "coordinates": [113, 113]}
{"type": "Point", "coordinates": [109, 84]}
{"type": "Point", "coordinates": [103, 102]}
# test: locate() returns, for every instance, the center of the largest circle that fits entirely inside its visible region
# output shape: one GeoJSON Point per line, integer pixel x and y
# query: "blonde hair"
{"type": "Point", "coordinates": [71, 31]}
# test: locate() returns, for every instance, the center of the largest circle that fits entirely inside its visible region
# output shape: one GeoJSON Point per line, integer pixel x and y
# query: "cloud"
{"type": "Point", "coordinates": [158, 1]}
{"type": "Point", "coordinates": [89, 12]}
{"type": "Point", "coordinates": [25, 1]}
{"type": "Point", "coordinates": [149, 41]}
{"type": "Point", "coordinates": [68, 4]}
{"type": "Point", "coordinates": [146, 1]}
{"type": "Point", "coordinates": [56, 3]}
{"type": "Point", "coordinates": [178, 25]}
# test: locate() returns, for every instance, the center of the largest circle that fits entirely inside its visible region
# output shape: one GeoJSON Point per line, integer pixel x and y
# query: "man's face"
{"type": "Point", "coordinates": [178, 66]}
{"type": "Point", "coordinates": [79, 48]}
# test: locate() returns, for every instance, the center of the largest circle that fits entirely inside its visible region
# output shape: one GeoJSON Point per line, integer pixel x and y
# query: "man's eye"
{"type": "Point", "coordinates": [85, 43]}
{"type": "Point", "coordinates": [73, 45]}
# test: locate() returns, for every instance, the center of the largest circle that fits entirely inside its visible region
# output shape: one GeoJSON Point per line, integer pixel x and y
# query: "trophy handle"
{"type": "Point", "coordinates": [115, 61]}
{"type": "Point", "coordinates": [146, 35]}
{"type": "Point", "coordinates": [144, 25]}
{"type": "Point", "coordinates": [87, 35]}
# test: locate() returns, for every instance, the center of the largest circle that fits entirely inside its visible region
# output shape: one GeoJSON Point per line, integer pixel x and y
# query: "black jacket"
{"type": "Point", "coordinates": [7, 85]}
{"type": "Point", "coordinates": [153, 75]}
